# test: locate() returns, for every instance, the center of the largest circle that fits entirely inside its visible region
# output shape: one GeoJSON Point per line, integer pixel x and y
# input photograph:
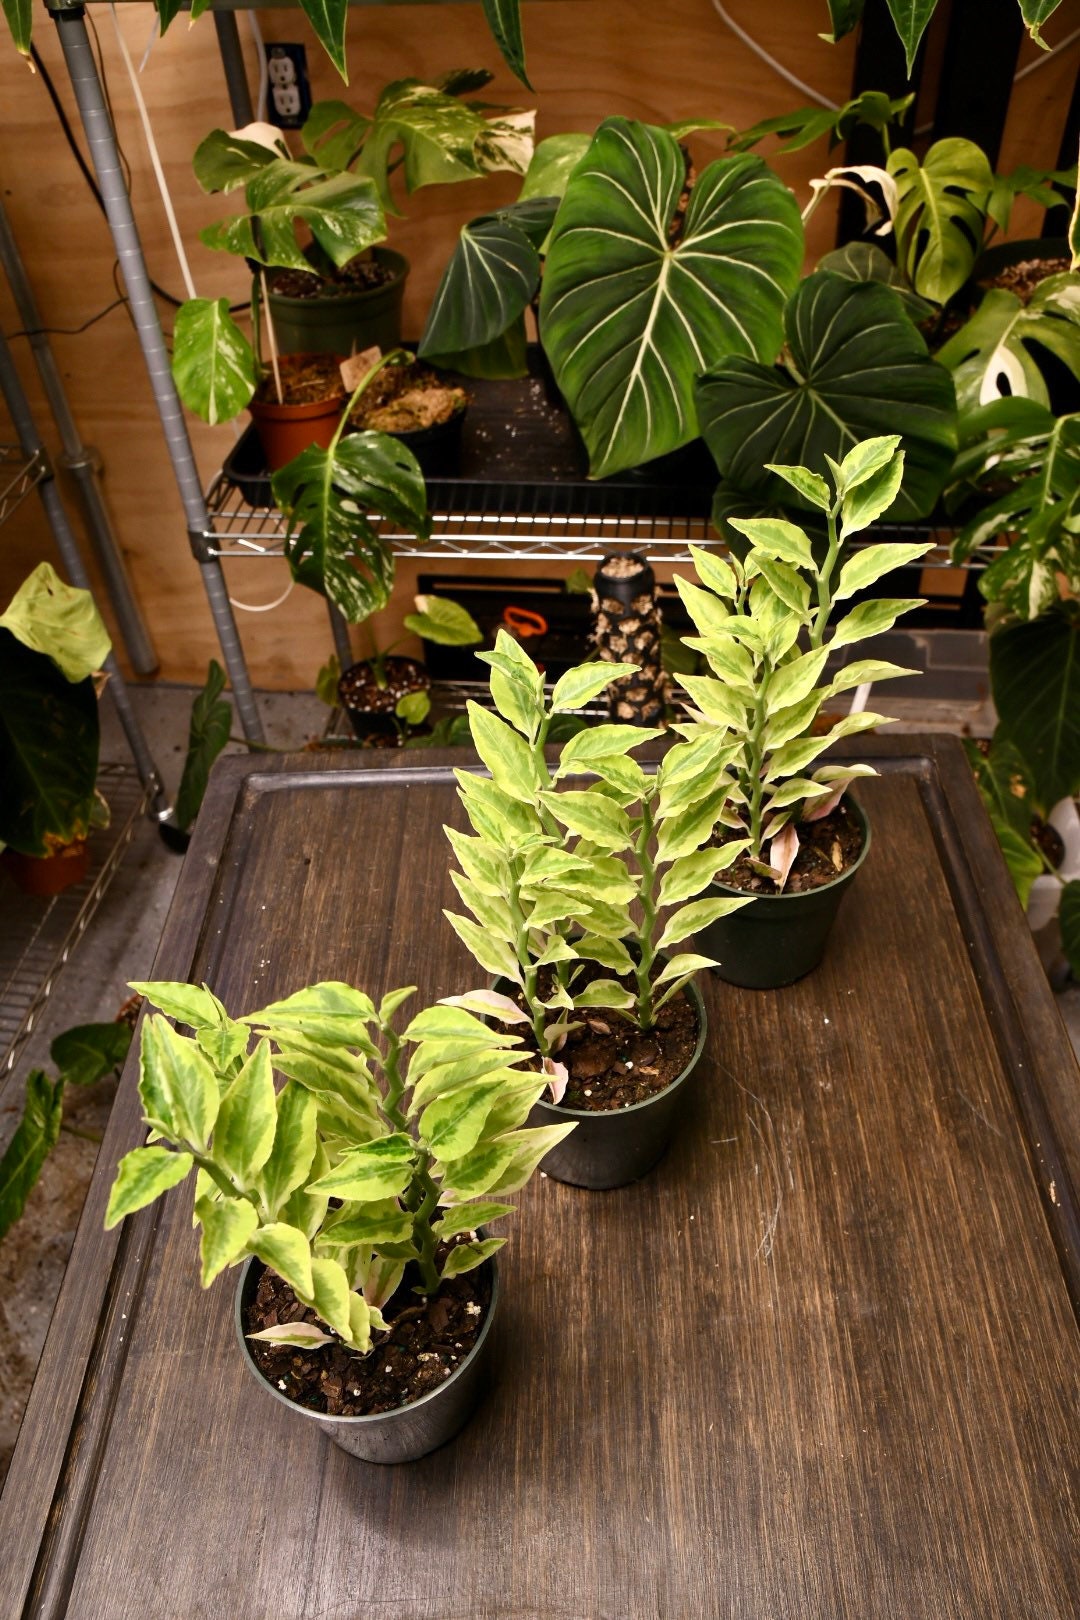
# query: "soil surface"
{"type": "Point", "coordinates": [407, 399]}
{"type": "Point", "coordinates": [1023, 278]}
{"type": "Point", "coordinates": [359, 275]}
{"type": "Point", "coordinates": [361, 693]}
{"type": "Point", "coordinates": [425, 1342]}
{"type": "Point", "coordinates": [613, 1064]}
{"type": "Point", "coordinates": [827, 848]}
{"type": "Point", "coordinates": [306, 379]}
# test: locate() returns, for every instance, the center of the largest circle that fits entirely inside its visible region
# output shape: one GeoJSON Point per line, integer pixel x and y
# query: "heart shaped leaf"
{"type": "Point", "coordinates": [638, 299]}
{"type": "Point", "coordinates": [857, 369]}
{"type": "Point", "coordinates": [486, 287]}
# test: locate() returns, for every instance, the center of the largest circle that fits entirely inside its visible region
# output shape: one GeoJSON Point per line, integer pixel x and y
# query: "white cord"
{"type": "Point", "coordinates": [151, 41]}
{"type": "Point", "coordinates": [264, 72]}
{"type": "Point", "coordinates": [777, 67]}
{"type": "Point", "coordinates": [159, 172]}
{"type": "Point", "coordinates": [823, 101]}
{"type": "Point", "coordinates": [264, 607]}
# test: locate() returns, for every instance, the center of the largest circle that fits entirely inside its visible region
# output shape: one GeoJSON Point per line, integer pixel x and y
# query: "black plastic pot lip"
{"type": "Point", "coordinates": [822, 888]}
{"type": "Point", "coordinates": [400, 267]}
{"type": "Point", "coordinates": [698, 999]}
{"type": "Point", "coordinates": [367, 1418]}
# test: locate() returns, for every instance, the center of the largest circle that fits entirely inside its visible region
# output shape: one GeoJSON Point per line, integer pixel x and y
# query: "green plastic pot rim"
{"type": "Point", "coordinates": [696, 997]}
{"type": "Point", "coordinates": [365, 1417]}
{"type": "Point", "coordinates": [396, 262]}
{"type": "Point", "coordinates": [822, 888]}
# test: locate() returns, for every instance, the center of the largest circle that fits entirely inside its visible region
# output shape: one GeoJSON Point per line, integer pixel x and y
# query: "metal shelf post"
{"type": "Point", "coordinates": [101, 139]}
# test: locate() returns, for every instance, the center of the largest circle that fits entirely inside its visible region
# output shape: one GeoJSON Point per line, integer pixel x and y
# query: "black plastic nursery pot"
{"type": "Point", "coordinates": [344, 322]}
{"type": "Point", "coordinates": [370, 707]}
{"type": "Point", "coordinates": [437, 448]}
{"type": "Point", "coordinates": [409, 1432]}
{"type": "Point", "coordinates": [620, 1145]}
{"type": "Point", "coordinates": [779, 938]}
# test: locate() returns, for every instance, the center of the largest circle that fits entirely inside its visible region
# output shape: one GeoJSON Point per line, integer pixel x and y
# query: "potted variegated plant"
{"type": "Point", "coordinates": [767, 626]}
{"type": "Point", "coordinates": [566, 885]}
{"type": "Point", "coordinates": [353, 1193]}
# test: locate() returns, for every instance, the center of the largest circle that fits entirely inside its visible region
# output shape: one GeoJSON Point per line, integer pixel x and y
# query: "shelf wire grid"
{"type": "Point", "coordinates": [19, 474]}
{"type": "Point", "coordinates": [485, 522]}
{"type": "Point", "coordinates": [40, 934]}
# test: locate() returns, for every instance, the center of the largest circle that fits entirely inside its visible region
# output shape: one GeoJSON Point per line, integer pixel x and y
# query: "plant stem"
{"type": "Point", "coordinates": [395, 357]}
{"type": "Point", "coordinates": [824, 595]}
{"type": "Point", "coordinates": [647, 896]}
{"type": "Point", "coordinates": [757, 754]}
{"type": "Point", "coordinates": [423, 1236]}
{"type": "Point", "coordinates": [525, 960]}
{"type": "Point", "coordinates": [395, 1084]}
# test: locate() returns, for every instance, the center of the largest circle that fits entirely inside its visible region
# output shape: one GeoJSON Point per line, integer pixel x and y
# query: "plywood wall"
{"type": "Point", "coordinates": [588, 58]}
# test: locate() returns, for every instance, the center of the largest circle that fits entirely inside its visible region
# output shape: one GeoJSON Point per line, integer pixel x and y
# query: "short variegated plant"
{"type": "Point", "coordinates": [767, 625]}
{"type": "Point", "coordinates": [350, 1165]}
{"type": "Point", "coordinates": [558, 875]}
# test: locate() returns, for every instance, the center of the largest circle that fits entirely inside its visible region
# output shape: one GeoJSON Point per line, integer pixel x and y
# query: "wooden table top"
{"type": "Point", "coordinates": [823, 1362]}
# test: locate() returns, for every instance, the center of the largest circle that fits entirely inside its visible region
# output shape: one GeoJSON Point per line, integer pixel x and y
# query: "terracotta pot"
{"type": "Point", "coordinates": [287, 430]}
{"type": "Point", "coordinates": [48, 874]}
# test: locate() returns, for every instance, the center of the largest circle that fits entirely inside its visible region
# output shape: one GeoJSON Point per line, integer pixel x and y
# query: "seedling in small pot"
{"type": "Point", "coordinates": [766, 627]}
{"type": "Point", "coordinates": [388, 690]}
{"type": "Point", "coordinates": [361, 1181]}
{"type": "Point", "coordinates": [566, 885]}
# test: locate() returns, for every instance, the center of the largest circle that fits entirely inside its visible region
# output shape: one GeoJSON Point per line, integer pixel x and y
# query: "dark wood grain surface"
{"type": "Point", "coordinates": [822, 1363]}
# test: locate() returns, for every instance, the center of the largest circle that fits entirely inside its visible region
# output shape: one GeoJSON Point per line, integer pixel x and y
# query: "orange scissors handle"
{"type": "Point", "coordinates": [524, 622]}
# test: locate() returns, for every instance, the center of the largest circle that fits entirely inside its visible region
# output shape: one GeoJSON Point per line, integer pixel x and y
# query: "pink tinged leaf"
{"type": "Point", "coordinates": [488, 1001]}
{"type": "Point", "coordinates": [303, 1334]}
{"type": "Point", "coordinates": [558, 1074]}
{"type": "Point", "coordinates": [782, 853]}
{"type": "Point", "coordinates": [820, 808]}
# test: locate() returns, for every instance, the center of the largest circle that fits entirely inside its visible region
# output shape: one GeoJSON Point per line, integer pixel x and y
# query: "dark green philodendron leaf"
{"type": "Point", "coordinates": [1035, 13]}
{"type": "Point", "coordinates": [504, 20]}
{"type": "Point", "coordinates": [941, 214]}
{"type": "Point", "coordinates": [342, 211]}
{"type": "Point", "coordinates": [854, 368]}
{"type": "Point", "coordinates": [167, 10]}
{"type": "Point", "coordinates": [637, 302]}
{"type": "Point", "coordinates": [31, 1145]}
{"type": "Point", "coordinates": [862, 261]}
{"type": "Point", "coordinates": [844, 15]}
{"type": "Point", "coordinates": [1069, 922]}
{"type": "Point", "coordinates": [213, 364]}
{"type": "Point", "coordinates": [328, 18]}
{"type": "Point", "coordinates": [60, 620]}
{"type": "Point", "coordinates": [208, 732]}
{"type": "Point", "coordinates": [911, 18]}
{"type": "Point", "coordinates": [20, 20]}
{"type": "Point", "coordinates": [88, 1052]}
{"type": "Point", "coordinates": [1035, 684]}
{"type": "Point", "coordinates": [330, 496]}
{"type": "Point", "coordinates": [1004, 783]}
{"type": "Point", "coordinates": [224, 161]}
{"type": "Point", "coordinates": [49, 738]}
{"type": "Point", "coordinates": [991, 356]}
{"type": "Point", "coordinates": [490, 280]}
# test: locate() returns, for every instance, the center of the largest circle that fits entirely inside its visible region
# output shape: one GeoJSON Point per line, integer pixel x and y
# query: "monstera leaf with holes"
{"type": "Point", "coordinates": [941, 215]}
{"type": "Point", "coordinates": [342, 211]}
{"type": "Point", "coordinates": [486, 288]}
{"type": "Point", "coordinates": [991, 355]}
{"type": "Point", "coordinates": [330, 497]}
{"type": "Point", "coordinates": [645, 288]}
{"type": "Point", "coordinates": [854, 367]}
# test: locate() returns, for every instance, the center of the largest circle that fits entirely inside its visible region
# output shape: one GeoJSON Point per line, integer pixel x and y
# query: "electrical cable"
{"type": "Point", "coordinates": [823, 101]}
{"type": "Point", "coordinates": [68, 331]}
{"type": "Point", "coordinates": [264, 71]}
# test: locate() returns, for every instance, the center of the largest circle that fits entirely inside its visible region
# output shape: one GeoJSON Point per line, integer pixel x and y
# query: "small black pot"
{"type": "Point", "coordinates": [437, 448]}
{"type": "Point", "coordinates": [411, 1431]}
{"type": "Point", "coordinates": [620, 1145]}
{"type": "Point", "coordinates": [405, 675]}
{"type": "Point", "coordinates": [778, 938]}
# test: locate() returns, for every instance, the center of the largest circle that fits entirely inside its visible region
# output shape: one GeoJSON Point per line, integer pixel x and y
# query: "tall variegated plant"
{"type": "Point", "coordinates": [560, 877]}
{"type": "Point", "coordinates": [359, 1164]}
{"type": "Point", "coordinates": [767, 624]}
